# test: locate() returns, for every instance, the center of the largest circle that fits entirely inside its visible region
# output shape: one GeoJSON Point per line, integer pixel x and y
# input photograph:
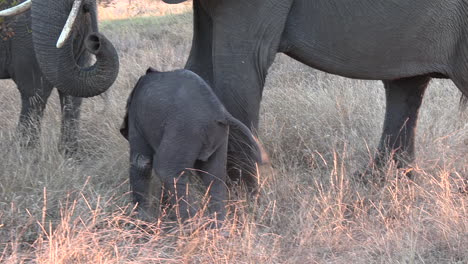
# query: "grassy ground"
{"type": "Point", "coordinates": [318, 129]}
{"type": "Point", "coordinates": [120, 9]}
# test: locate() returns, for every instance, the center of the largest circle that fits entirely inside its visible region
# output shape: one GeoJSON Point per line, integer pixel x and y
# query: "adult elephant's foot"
{"type": "Point", "coordinates": [28, 135]}
{"type": "Point", "coordinates": [28, 142]}
{"type": "Point", "coordinates": [370, 175]}
{"type": "Point", "coordinates": [244, 173]}
{"type": "Point", "coordinates": [378, 172]}
{"type": "Point", "coordinates": [68, 147]}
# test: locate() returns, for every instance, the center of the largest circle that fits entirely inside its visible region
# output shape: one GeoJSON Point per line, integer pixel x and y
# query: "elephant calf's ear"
{"type": "Point", "coordinates": [173, 1]}
{"type": "Point", "coordinates": [124, 126]}
{"type": "Point", "coordinates": [150, 70]}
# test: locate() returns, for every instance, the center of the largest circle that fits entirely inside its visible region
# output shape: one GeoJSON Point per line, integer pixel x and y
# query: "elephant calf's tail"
{"type": "Point", "coordinates": [260, 154]}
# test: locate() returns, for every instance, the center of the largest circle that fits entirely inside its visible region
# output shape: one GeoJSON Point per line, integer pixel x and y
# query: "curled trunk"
{"type": "Point", "coordinates": [59, 65]}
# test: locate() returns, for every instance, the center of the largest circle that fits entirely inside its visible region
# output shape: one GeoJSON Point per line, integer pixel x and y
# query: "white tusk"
{"type": "Point", "coordinates": [67, 29]}
{"type": "Point", "coordinates": [23, 7]}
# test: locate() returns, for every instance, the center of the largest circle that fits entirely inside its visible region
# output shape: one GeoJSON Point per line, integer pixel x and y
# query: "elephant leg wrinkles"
{"type": "Point", "coordinates": [404, 98]}
{"type": "Point", "coordinates": [240, 61]}
{"type": "Point", "coordinates": [34, 95]}
{"type": "Point", "coordinates": [70, 107]}
{"type": "Point", "coordinates": [200, 59]}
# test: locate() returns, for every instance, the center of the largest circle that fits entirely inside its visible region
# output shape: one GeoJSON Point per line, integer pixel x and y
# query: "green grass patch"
{"type": "Point", "coordinates": [142, 22]}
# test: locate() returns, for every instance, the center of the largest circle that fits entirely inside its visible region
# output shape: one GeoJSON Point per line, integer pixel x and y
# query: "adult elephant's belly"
{"type": "Point", "coordinates": [370, 40]}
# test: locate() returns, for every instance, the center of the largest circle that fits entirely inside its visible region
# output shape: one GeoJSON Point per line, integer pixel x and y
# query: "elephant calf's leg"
{"type": "Point", "coordinates": [70, 123]}
{"type": "Point", "coordinates": [213, 173]}
{"type": "Point", "coordinates": [175, 156]}
{"type": "Point", "coordinates": [175, 184]}
{"type": "Point", "coordinates": [404, 98]}
{"type": "Point", "coordinates": [141, 183]}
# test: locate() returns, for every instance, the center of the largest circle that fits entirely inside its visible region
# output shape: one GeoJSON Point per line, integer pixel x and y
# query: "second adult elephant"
{"type": "Point", "coordinates": [51, 46]}
{"type": "Point", "coordinates": [404, 43]}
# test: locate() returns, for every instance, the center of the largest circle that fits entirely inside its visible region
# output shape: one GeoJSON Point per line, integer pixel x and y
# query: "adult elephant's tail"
{"type": "Point", "coordinates": [463, 102]}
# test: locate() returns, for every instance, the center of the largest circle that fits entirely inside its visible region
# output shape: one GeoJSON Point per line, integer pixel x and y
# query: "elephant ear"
{"type": "Point", "coordinates": [173, 1]}
{"type": "Point", "coordinates": [124, 126]}
{"type": "Point", "coordinates": [151, 69]}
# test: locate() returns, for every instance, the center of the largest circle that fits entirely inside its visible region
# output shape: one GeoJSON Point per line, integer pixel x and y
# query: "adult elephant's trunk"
{"type": "Point", "coordinates": [59, 64]}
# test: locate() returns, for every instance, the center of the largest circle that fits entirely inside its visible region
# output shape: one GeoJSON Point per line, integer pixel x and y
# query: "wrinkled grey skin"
{"type": "Point", "coordinates": [175, 122]}
{"type": "Point", "coordinates": [29, 57]}
{"type": "Point", "coordinates": [404, 43]}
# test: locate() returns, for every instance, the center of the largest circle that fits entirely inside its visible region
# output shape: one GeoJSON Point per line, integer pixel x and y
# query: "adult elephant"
{"type": "Point", "coordinates": [404, 43]}
{"type": "Point", "coordinates": [49, 46]}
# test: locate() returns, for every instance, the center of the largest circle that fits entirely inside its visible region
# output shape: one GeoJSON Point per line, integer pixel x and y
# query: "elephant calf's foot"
{"type": "Point", "coordinates": [147, 215]}
{"type": "Point", "coordinates": [218, 233]}
{"type": "Point", "coordinates": [215, 223]}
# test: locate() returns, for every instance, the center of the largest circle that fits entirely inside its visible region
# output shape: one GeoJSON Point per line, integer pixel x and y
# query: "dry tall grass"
{"type": "Point", "coordinates": [120, 9]}
{"type": "Point", "coordinates": [318, 129]}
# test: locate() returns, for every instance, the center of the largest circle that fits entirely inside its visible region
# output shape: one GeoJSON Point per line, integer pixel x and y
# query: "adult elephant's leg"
{"type": "Point", "coordinates": [34, 95]}
{"type": "Point", "coordinates": [246, 37]}
{"type": "Point", "coordinates": [33, 87]}
{"type": "Point", "coordinates": [70, 107]}
{"type": "Point", "coordinates": [200, 59]}
{"type": "Point", "coordinates": [403, 98]}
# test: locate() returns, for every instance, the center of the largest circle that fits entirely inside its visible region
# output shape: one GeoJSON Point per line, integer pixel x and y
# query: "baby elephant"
{"type": "Point", "coordinates": [175, 122]}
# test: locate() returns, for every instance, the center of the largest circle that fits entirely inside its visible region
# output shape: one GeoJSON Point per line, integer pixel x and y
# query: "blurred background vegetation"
{"type": "Point", "coordinates": [121, 9]}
